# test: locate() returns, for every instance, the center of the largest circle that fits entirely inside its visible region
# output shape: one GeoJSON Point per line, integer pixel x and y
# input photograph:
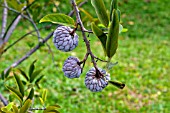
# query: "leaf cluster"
{"type": "Point", "coordinates": [25, 90]}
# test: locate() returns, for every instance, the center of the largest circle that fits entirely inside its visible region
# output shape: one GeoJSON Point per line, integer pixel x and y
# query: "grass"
{"type": "Point", "coordinates": [144, 63]}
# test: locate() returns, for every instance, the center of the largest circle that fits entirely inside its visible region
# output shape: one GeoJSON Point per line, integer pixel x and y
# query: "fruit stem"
{"type": "Point", "coordinates": [79, 22]}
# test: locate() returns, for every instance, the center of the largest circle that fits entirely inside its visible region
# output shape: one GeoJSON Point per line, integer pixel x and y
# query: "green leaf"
{"type": "Point", "coordinates": [7, 73]}
{"type": "Point", "coordinates": [119, 14]}
{"type": "Point", "coordinates": [51, 109]}
{"type": "Point", "coordinates": [24, 74]}
{"type": "Point", "coordinates": [26, 106]}
{"type": "Point", "coordinates": [31, 69]}
{"type": "Point", "coordinates": [9, 106]}
{"type": "Point", "coordinates": [58, 18]}
{"type": "Point", "coordinates": [31, 94]}
{"type": "Point", "coordinates": [101, 11]}
{"type": "Point", "coordinates": [90, 17]}
{"type": "Point", "coordinates": [100, 34]}
{"type": "Point", "coordinates": [4, 110]}
{"type": "Point", "coordinates": [110, 65]}
{"type": "Point", "coordinates": [15, 5]}
{"type": "Point", "coordinates": [41, 100]}
{"type": "Point", "coordinates": [124, 30]}
{"type": "Point", "coordinates": [15, 109]}
{"type": "Point", "coordinates": [112, 40]}
{"type": "Point", "coordinates": [2, 75]}
{"type": "Point", "coordinates": [117, 84]}
{"type": "Point", "coordinates": [20, 84]}
{"type": "Point", "coordinates": [120, 28]}
{"type": "Point", "coordinates": [16, 93]}
{"type": "Point", "coordinates": [44, 95]}
{"type": "Point", "coordinates": [38, 80]}
{"type": "Point", "coordinates": [30, 1]}
{"type": "Point", "coordinates": [34, 75]}
{"type": "Point", "coordinates": [114, 5]}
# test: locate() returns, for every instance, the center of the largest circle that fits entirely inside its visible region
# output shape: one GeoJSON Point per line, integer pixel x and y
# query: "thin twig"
{"type": "Point", "coordinates": [34, 25]}
{"type": "Point", "coordinates": [100, 59]}
{"type": "Point", "coordinates": [82, 3]}
{"type": "Point", "coordinates": [17, 12]}
{"type": "Point", "coordinates": [20, 39]}
{"type": "Point", "coordinates": [34, 109]}
{"type": "Point", "coordinates": [4, 100]}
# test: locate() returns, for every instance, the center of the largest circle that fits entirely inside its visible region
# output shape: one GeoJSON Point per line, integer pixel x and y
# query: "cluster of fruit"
{"type": "Point", "coordinates": [65, 40]}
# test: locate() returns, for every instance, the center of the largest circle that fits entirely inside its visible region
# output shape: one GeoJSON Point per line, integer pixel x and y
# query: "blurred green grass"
{"type": "Point", "coordinates": [144, 65]}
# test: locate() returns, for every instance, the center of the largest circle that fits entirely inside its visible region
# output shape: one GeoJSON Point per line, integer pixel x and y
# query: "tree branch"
{"type": "Point", "coordinates": [4, 20]}
{"type": "Point", "coordinates": [34, 25]}
{"type": "Point", "coordinates": [11, 29]}
{"type": "Point", "coordinates": [4, 23]}
{"type": "Point", "coordinates": [4, 100]}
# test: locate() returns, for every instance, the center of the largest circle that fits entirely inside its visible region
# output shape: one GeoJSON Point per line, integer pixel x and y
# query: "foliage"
{"type": "Point", "coordinates": [143, 65]}
{"type": "Point", "coordinates": [26, 86]}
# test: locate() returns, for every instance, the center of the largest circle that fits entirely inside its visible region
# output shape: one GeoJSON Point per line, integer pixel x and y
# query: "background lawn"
{"type": "Point", "coordinates": [144, 64]}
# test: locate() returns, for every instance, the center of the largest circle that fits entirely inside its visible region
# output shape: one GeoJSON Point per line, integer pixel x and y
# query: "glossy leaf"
{"type": "Point", "coordinates": [117, 84]}
{"type": "Point", "coordinates": [26, 106]}
{"type": "Point", "coordinates": [16, 93]}
{"type": "Point", "coordinates": [35, 74]}
{"type": "Point", "coordinates": [20, 84]}
{"type": "Point", "coordinates": [100, 34]}
{"type": "Point", "coordinates": [112, 40]}
{"type": "Point", "coordinates": [101, 11]}
{"type": "Point", "coordinates": [58, 18]}
{"type": "Point", "coordinates": [31, 94]}
{"type": "Point", "coordinates": [24, 74]}
{"type": "Point", "coordinates": [31, 69]}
